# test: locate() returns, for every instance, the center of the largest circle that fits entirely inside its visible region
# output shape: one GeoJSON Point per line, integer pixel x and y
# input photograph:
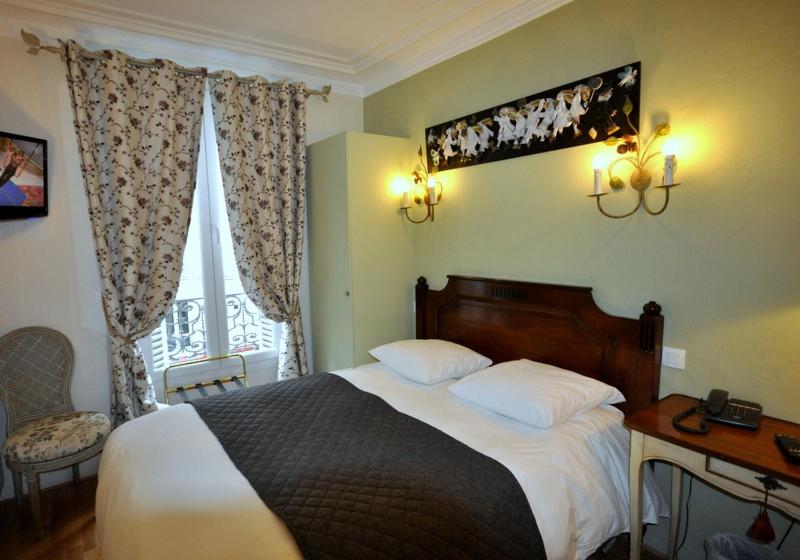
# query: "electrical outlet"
{"type": "Point", "coordinates": [673, 358]}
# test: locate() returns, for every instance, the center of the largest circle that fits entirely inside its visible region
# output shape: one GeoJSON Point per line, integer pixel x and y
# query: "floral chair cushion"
{"type": "Point", "coordinates": [56, 436]}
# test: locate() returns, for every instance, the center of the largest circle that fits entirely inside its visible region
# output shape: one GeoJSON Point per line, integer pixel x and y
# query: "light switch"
{"type": "Point", "coordinates": [673, 358]}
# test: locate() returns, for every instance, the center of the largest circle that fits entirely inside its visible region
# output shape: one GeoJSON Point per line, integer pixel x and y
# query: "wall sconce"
{"type": "Point", "coordinates": [426, 190]}
{"type": "Point", "coordinates": [632, 153]}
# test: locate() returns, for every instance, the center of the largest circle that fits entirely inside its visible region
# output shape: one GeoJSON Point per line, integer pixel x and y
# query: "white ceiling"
{"type": "Point", "coordinates": [366, 44]}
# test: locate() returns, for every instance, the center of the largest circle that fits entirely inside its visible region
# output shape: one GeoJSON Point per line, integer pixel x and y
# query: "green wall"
{"type": "Point", "coordinates": [722, 260]}
{"type": "Point", "coordinates": [381, 252]}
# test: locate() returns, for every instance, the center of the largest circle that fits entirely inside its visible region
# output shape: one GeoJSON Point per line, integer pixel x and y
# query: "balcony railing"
{"type": "Point", "coordinates": [183, 335]}
{"type": "Point", "coordinates": [248, 329]}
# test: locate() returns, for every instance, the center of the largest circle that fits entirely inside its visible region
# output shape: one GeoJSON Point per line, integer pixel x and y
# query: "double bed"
{"type": "Point", "coordinates": [173, 486]}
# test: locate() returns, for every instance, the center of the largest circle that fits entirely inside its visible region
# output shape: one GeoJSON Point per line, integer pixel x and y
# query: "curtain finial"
{"type": "Point", "coordinates": [35, 44]}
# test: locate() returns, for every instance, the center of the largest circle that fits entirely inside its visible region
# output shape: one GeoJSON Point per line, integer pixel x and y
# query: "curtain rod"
{"type": "Point", "coordinates": [35, 45]}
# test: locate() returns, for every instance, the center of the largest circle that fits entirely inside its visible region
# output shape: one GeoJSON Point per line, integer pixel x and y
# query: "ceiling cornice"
{"type": "Point", "coordinates": [52, 27]}
{"type": "Point", "coordinates": [101, 14]}
{"type": "Point", "coordinates": [417, 45]}
{"type": "Point", "coordinates": [436, 16]}
{"type": "Point", "coordinates": [469, 39]}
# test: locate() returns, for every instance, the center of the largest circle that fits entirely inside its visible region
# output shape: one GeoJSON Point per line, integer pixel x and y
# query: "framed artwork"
{"type": "Point", "coordinates": [23, 176]}
{"type": "Point", "coordinates": [588, 110]}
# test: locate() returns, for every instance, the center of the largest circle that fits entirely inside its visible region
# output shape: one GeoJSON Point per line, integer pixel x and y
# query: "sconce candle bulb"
{"type": "Point", "coordinates": [598, 181]}
{"type": "Point", "coordinates": [406, 203]}
{"type": "Point", "coordinates": [670, 147]}
{"type": "Point", "coordinates": [669, 169]}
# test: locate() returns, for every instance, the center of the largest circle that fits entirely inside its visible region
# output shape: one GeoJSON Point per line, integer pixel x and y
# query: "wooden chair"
{"type": "Point", "coordinates": [44, 432]}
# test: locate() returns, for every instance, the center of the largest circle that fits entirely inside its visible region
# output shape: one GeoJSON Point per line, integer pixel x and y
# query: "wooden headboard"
{"type": "Point", "coordinates": [559, 325]}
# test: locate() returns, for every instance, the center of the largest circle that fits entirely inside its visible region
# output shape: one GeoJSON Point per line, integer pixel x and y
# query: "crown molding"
{"type": "Point", "coordinates": [412, 48]}
{"type": "Point", "coordinates": [102, 14]}
{"type": "Point", "coordinates": [51, 27]}
{"type": "Point", "coordinates": [434, 18]}
{"type": "Point", "coordinates": [469, 39]}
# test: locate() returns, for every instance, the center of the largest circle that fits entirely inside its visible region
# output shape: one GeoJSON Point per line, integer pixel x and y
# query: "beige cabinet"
{"type": "Point", "coordinates": [360, 246]}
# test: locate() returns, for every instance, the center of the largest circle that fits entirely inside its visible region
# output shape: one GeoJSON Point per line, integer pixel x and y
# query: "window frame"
{"type": "Point", "coordinates": [215, 301]}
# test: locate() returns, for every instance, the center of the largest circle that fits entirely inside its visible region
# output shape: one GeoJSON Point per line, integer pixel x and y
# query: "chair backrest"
{"type": "Point", "coordinates": [35, 373]}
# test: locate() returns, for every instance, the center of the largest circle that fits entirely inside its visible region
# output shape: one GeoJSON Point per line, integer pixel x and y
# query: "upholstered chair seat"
{"type": "Point", "coordinates": [44, 433]}
{"type": "Point", "coordinates": [56, 437]}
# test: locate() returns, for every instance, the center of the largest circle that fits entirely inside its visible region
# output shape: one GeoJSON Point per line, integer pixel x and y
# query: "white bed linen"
{"type": "Point", "coordinates": [167, 489]}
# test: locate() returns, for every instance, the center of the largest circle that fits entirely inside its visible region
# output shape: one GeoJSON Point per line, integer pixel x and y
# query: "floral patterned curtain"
{"type": "Point", "coordinates": [138, 135]}
{"type": "Point", "coordinates": [261, 135]}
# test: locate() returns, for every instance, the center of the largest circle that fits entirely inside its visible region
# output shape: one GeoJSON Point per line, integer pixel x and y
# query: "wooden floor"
{"type": "Point", "coordinates": [68, 513]}
{"type": "Point", "coordinates": [69, 518]}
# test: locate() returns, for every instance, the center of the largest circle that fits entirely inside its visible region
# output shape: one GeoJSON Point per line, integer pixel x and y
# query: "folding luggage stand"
{"type": "Point", "coordinates": [240, 380]}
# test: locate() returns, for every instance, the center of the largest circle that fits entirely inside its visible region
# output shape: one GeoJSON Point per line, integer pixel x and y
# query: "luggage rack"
{"type": "Point", "coordinates": [240, 380]}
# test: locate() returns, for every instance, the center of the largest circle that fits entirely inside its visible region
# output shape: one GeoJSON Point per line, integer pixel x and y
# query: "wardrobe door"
{"type": "Point", "coordinates": [329, 255]}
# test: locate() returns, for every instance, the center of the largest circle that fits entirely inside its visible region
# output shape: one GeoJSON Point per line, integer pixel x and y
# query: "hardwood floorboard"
{"type": "Point", "coordinates": [68, 513]}
{"type": "Point", "coordinates": [69, 518]}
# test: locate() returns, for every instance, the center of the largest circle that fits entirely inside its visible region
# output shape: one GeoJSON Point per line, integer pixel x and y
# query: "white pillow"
{"type": "Point", "coordinates": [535, 393]}
{"type": "Point", "coordinates": [429, 361]}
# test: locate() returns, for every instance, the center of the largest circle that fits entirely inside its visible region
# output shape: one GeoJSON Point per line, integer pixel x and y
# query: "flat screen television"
{"type": "Point", "coordinates": [23, 177]}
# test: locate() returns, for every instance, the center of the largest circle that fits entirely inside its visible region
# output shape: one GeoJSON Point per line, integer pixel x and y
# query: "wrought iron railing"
{"type": "Point", "coordinates": [247, 327]}
{"type": "Point", "coordinates": [183, 333]}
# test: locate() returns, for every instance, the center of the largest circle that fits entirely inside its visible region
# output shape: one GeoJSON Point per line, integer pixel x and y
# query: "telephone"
{"type": "Point", "coordinates": [718, 408]}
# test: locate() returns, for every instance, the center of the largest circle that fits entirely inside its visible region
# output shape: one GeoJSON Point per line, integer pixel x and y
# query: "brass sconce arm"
{"type": "Point", "coordinates": [642, 203]}
{"type": "Point", "coordinates": [428, 215]}
{"type": "Point", "coordinates": [666, 200]}
{"type": "Point", "coordinates": [616, 216]}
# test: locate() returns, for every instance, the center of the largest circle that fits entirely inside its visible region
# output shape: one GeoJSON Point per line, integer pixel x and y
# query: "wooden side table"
{"type": "Point", "coordinates": [726, 457]}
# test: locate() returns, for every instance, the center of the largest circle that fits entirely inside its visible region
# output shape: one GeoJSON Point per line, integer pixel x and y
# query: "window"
{"type": "Point", "coordinates": [211, 314]}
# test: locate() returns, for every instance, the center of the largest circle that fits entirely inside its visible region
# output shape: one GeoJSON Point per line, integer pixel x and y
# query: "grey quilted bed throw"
{"type": "Point", "coordinates": [353, 478]}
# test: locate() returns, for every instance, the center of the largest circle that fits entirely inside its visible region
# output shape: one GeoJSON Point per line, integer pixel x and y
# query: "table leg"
{"type": "Point", "coordinates": [637, 453]}
{"type": "Point", "coordinates": [675, 510]}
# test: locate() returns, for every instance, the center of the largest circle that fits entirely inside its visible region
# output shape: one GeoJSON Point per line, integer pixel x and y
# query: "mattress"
{"type": "Point", "coordinates": [168, 490]}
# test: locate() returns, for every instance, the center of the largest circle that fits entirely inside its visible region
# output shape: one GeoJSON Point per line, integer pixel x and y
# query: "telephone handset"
{"type": "Point", "coordinates": [716, 401]}
{"type": "Point", "coordinates": [718, 408]}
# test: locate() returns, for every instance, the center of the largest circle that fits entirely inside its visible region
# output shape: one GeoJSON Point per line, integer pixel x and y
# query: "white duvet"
{"type": "Point", "coordinates": [167, 490]}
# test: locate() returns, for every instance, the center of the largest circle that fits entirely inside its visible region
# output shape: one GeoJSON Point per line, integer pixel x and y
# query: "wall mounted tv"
{"type": "Point", "coordinates": [23, 177]}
